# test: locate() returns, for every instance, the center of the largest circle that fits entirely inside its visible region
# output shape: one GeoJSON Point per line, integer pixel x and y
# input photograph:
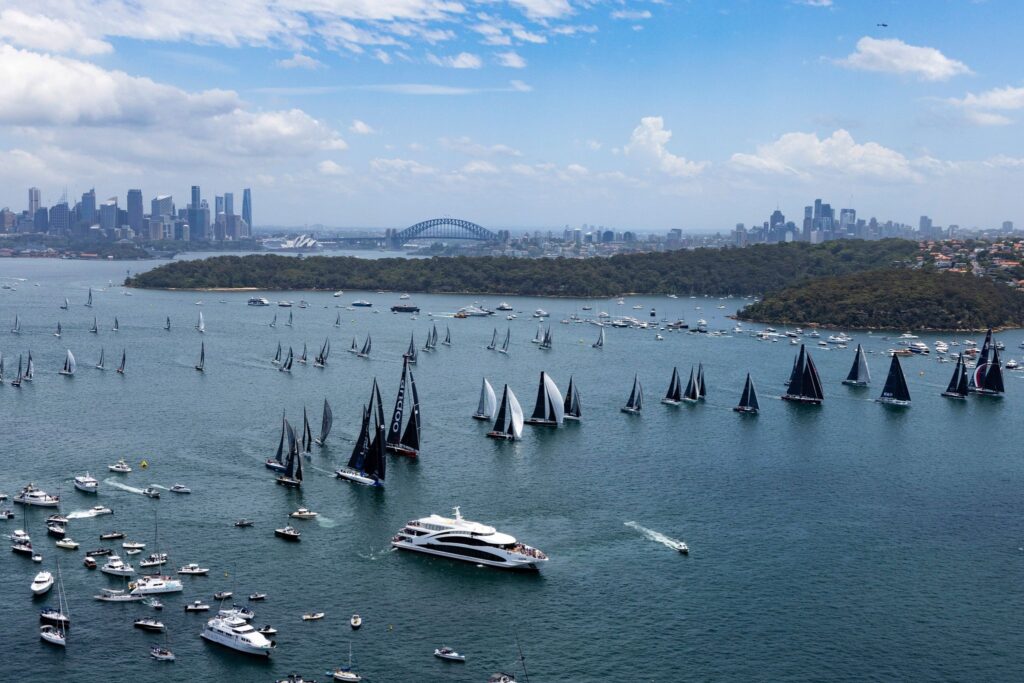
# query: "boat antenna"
{"type": "Point", "coordinates": [457, 511]}
{"type": "Point", "coordinates": [522, 658]}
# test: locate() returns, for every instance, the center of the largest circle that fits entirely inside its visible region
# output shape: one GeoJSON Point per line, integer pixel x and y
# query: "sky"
{"type": "Point", "coordinates": [646, 114]}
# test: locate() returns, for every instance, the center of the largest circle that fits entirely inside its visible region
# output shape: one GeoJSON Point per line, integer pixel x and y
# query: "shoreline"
{"type": "Point", "coordinates": [881, 328]}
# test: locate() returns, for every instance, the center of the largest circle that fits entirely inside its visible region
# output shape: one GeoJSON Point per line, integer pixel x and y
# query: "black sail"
{"type": "Point", "coordinates": [795, 382]}
{"type": "Point", "coordinates": [813, 381]}
{"type": "Point", "coordinates": [567, 404]}
{"type": "Point", "coordinates": [748, 400]}
{"type": "Point", "coordinates": [540, 409]}
{"type": "Point", "coordinates": [691, 393]}
{"type": "Point", "coordinates": [307, 433]}
{"type": "Point", "coordinates": [963, 386]}
{"type": "Point", "coordinates": [358, 456]}
{"type": "Point", "coordinates": [503, 409]}
{"type": "Point", "coordinates": [280, 445]}
{"type": "Point", "coordinates": [895, 388]}
{"type": "Point", "coordinates": [674, 392]}
{"type": "Point", "coordinates": [411, 437]}
{"type": "Point", "coordinates": [702, 390]}
{"type": "Point", "coordinates": [994, 376]}
{"type": "Point", "coordinates": [326, 423]}
{"type": "Point", "coordinates": [954, 381]}
{"type": "Point", "coordinates": [375, 460]}
{"type": "Point", "coordinates": [394, 436]}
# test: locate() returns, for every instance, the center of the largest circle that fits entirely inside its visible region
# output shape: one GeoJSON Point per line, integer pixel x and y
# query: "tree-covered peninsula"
{"type": "Point", "coordinates": [922, 299]}
{"type": "Point", "coordinates": [713, 272]}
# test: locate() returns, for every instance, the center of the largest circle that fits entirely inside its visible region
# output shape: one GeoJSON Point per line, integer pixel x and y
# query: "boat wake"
{"type": "Point", "coordinates": [375, 554]}
{"type": "Point", "coordinates": [158, 486]}
{"type": "Point", "coordinates": [326, 522]}
{"type": "Point", "coordinates": [124, 487]}
{"type": "Point", "coordinates": [655, 536]}
{"type": "Point", "coordinates": [82, 514]}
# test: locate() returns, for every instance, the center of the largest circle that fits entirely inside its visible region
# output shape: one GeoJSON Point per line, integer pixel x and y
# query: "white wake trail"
{"type": "Point", "coordinates": [656, 536]}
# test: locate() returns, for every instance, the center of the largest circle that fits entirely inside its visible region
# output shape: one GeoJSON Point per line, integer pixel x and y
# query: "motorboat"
{"type": "Point", "coordinates": [237, 634]}
{"type": "Point", "coordinates": [151, 492]}
{"type": "Point", "coordinates": [57, 518]}
{"type": "Point", "coordinates": [132, 545]}
{"type": "Point", "coordinates": [362, 303]}
{"type": "Point", "coordinates": [149, 624]}
{"type": "Point", "coordinates": [161, 653]}
{"type": "Point", "coordinates": [267, 630]}
{"type": "Point", "coordinates": [284, 304]}
{"type": "Point", "coordinates": [22, 548]}
{"type": "Point", "coordinates": [222, 595]}
{"type": "Point", "coordinates": [461, 539]}
{"type": "Point", "coordinates": [111, 535]}
{"type": "Point", "coordinates": [289, 533]}
{"type": "Point", "coordinates": [680, 547]}
{"type": "Point", "coordinates": [89, 563]}
{"type": "Point", "coordinates": [449, 654]}
{"type": "Point", "coordinates": [154, 560]}
{"type": "Point", "coordinates": [505, 307]}
{"type": "Point", "coordinates": [67, 544]}
{"type": "Point", "coordinates": [155, 585]}
{"type": "Point", "coordinates": [87, 483]}
{"type": "Point", "coordinates": [180, 488]}
{"type": "Point", "coordinates": [116, 567]}
{"type": "Point", "coordinates": [42, 583]}
{"type": "Point", "coordinates": [113, 595]}
{"type": "Point", "coordinates": [56, 530]}
{"type": "Point", "coordinates": [98, 510]}
{"type": "Point", "coordinates": [197, 606]}
{"type": "Point", "coordinates": [355, 622]}
{"type": "Point", "coordinates": [193, 569]}
{"type": "Point", "coordinates": [133, 551]}
{"type": "Point", "coordinates": [258, 301]}
{"type": "Point", "coordinates": [20, 536]}
{"type": "Point", "coordinates": [30, 495]}
{"type": "Point", "coordinates": [154, 603]}
{"type": "Point", "coordinates": [49, 615]}
{"type": "Point", "coordinates": [6, 514]}
{"type": "Point", "coordinates": [99, 552]}
{"type": "Point", "coordinates": [257, 597]}
{"type": "Point", "coordinates": [53, 635]}
{"type": "Point", "coordinates": [304, 513]}
{"type": "Point", "coordinates": [121, 467]}
{"type": "Point", "coordinates": [37, 558]}
{"type": "Point", "coordinates": [313, 616]}
{"type": "Point", "coordinates": [237, 611]}
{"type": "Point", "coordinates": [243, 523]}
{"type": "Point", "coordinates": [540, 313]}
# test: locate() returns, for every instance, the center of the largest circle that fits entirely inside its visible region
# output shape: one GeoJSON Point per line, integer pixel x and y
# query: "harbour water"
{"type": "Point", "coordinates": [842, 542]}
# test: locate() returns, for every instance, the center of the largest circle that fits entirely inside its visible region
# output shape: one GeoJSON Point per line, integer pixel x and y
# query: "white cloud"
{"type": "Point", "coordinates": [806, 156]}
{"type": "Point", "coordinates": [360, 128]}
{"type": "Point", "coordinates": [543, 9]}
{"type": "Point", "coordinates": [631, 15]}
{"type": "Point", "coordinates": [51, 35]}
{"type": "Point", "coordinates": [328, 167]}
{"type": "Point", "coordinates": [649, 141]}
{"type": "Point", "coordinates": [813, 3]}
{"type": "Point", "coordinates": [465, 145]}
{"type": "Point", "coordinates": [511, 60]}
{"type": "Point", "coordinates": [395, 167]}
{"type": "Point", "coordinates": [299, 61]}
{"type": "Point", "coordinates": [382, 56]}
{"type": "Point", "coordinates": [982, 109]}
{"type": "Point", "coordinates": [528, 36]}
{"type": "Point", "coordinates": [479, 167]}
{"type": "Point", "coordinates": [894, 56]}
{"type": "Point", "coordinates": [463, 60]}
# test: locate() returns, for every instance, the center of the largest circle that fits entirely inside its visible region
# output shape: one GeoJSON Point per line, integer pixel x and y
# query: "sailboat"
{"type": "Point", "coordinates": [30, 369]}
{"type": "Point", "coordinates": [58, 332]}
{"type": "Point", "coordinates": [599, 344]}
{"type": "Point", "coordinates": [365, 352]}
{"type": "Point", "coordinates": [201, 365]}
{"type": "Point", "coordinates": [325, 424]}
{"type": "Point", "coordinates": [289, 323]}
{"type": "Point", "coordinates": [95, 329]}
{"type": "Point", "coordinates": [545, 343]}
{"type": "Point", "coordinates": [748, 400]}
{"type": "Point", "coordinates": [116, 326]}
{"type": "Point", "coordinates": [167, 325]}
{"type": "Point", "coordinates": [120, 368]}
{"type": "Point", "coordinates": [273, 323]}
{"type": "Point", "coordinates": [636, 398]}
{"type": "Point", "coordinates": [895, 391]}
{"type": "Point", "coordinates": [355, 347]}
{"type": "Point", "coordinates": [504, 344]}
{"type": "Point", "coordinates": [859, 375]}
{"type": "Point", "coordinates": [291, 476]}
{"type": "Point", "coordinates": [549, 410]}
{"type": "Point", "coordinates": [99, 365]}
{"type": "Point", "coordinates": [987, 378]}
{"type": "Point", "coordinates": [508, 424]}
{"type": "Point", "coordinates": [572, 407]}
{"type": "Point", "coordinates": [692, 392]}
{"type": "Point", "coordinates": [287, 365]}
{"type": "Point", "coordinates": [674, 395]}
{"type": "Point", "coordinates": [488, 402]}
{"type": "Point", "coordinates": [431, 342]}
{"type": "Point", "coordinates": [337, 321]}
{"type": "Point", "coordinates": [539, 337]}
{"type": "Point", "coordinates": [405, 442]}
{"type": "Point", "coordinates": [276, 463]}
{"type": "Point", "coordinates": [410, 354]}
{"type": "Point", "coordinates": [56, 634]}
{"type": "Point", "coordinates": [17, 325]}
{"type": "Point", "coordinates": [447, 336]}
{"type": "Point", "coordinates": [200, 325]}
{"type": "Point", "coordinates": [88, 301]}
{"type": "Point", "coordinates": [16, 382]}
{"type": "Point", "coordinates": [702, 388]}
{"type": "Point", "coordinates": [494, 340]}
{"type": "Point", "coordinates": [367, 463]}
{"type": "Point", "coordinates": [307, 433]}
{"type": "Point", "coordinates": [69, 365]}
{"type": "Point", "coordinates": [958, 383]}
{"type": "Point", "coordinates": [804, 383]}
{"type": "Point", "coordinates": [302, 358]}
{"type": "Point", "coordinates": [277, 355]}
{"type": "Point", "coordinates": [321, 358]}
{"type": "Point", "coordinates": [66, 304]}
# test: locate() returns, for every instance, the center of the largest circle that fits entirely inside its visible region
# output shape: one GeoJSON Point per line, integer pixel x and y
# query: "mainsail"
{"type": "Point", "coordinates": [447, 336]}
{"type": "Point", "coordinates": [549, 408]}
{"type": "Point", "coordinates": [287, 365]}
{"type": "Point", "coordinates": [277, 355]}
{"type": "Point", "coordinates": [201, 365]}
{"type": "Point", "coordinates": [987, 378]}
{"type": "Point", "coordinates": [702, 389]}
{"type": "Point", "coordinates": [636, 397]}
{"type": "Point", "coordinates": [120, 368]}
{"type": "Point", "coordinates": [599, 344]}
{"type": "Point", "coordinates": [508, 339]}
{"type": "Point", "coordinates": [692, 393]}
{"type": "Point", "coordinates": [508, 424]}
{"type": "Point", "coordinates": [116, 326]}
{"type": "Point", "coordinates": [958, 383]}
{"type": "Point", "coordinates": [859, 375]}
{"type": "Point", "coordinates": [325, 424]}
{"type": "Point", "coordinates": [895, 389]}
{"type": "Point", "coordinates": [307, 433]}
{"type": "Point", "coordinates": [494, 340]}
{"type": "Point", "coordinates": [30, 368]}
{"type": "Point", "coordinates": [167, 326]}
{"type": "Point", "coordinates": [99, 365]}
{"type": "Point", "coordinates": [410, 353]}
{"type": "Point", "coordinates": [69, 364]}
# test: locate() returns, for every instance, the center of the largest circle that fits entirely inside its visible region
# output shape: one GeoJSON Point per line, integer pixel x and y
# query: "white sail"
{"type": "Point", "coordinates": [488, 401]}
{"type": "Point", "coordinates": [554, 398]}
{"type": "Point", "coordinates": [69, 363]}
{"type": "Point", "coordinates": [517, 415]}
{"type": "Point", "coordinates": [201, 326]}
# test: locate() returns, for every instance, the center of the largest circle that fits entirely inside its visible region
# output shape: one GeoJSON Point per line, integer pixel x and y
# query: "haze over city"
{"type": "Point", "coordinates": [530, 113]}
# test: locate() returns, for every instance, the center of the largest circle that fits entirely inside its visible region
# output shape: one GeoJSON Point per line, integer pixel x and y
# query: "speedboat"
{"type": "Point", "coordinates": [87, 483]}
{"type": "Point", "coordinates": [161, 653]}
{"type": "Point", "coordinates": [154, 585]}
{"type": "Point", "coordinates": [37, 558]}
{"type": "Point", "coordinates": [154, 603]}
{"type": "Point", "coordinates": [197, 606]}
{"type": "Point", "coordinates": [67, 544]}
{"type": "Point", "coordinates": [116, 567]}
{"type": "Point", "coordinates": [237, 634]}
{"type": "Point", "coordinates": [222, 595]}
{"type": "Point", "coordinates": [112, 595]}
{"type": "Point", "coordinates": [237, 611]}
{"type": "Point", "coordinates": [89, 563]}
{"type": "Point", "coordinates": [504, 307]}
{"type": "Point", "coordinates": [242, 523]}
{"type": "Point", "coordinates": [353, 475]}
{"type": "Point", "coordinates": [267, 630]}
{"type": "Point", "coordinates": [362, 303]}
{"type": "Point", "coordinates": [338, 293]}
{"type": "Point", "coordinates": [98, 510]}
{"type": "Point", "coordinates": [111, 535]}
{"type": "Point", "coordinates": [57, 518]}
{"type": "Point", "coordinates": [313, 616]}
{"type": "Point", "coordinates": [180, 488]}
{"type": "Point", "coordinates": [1012, 364]}
{"type": "Point", "coordinates": [288, 533]}
{"type": "Point", "coordinates": [151, 492]}
{"type": "Point", "coordinates": [131, 545]}
{"type": "Point", "coordinates": [148, 624]}
{"type": "Point", "coordinates": [52, 635]}
{"type": "Point", "coordinates": [284, 304]}
{"type": "Point", "coordinates": [6, 514]}
{"type": "Point", "coordinates": [540, 313]}
{"type": "Point", "coordinates": [121, 467]}
{"type": "Point", "coordinates": [303, 513]}
{"type": "Point", "coordinates": [449, 654]}
{"type": "Point", "coordinates": [57, 530]}
{"type": "Point", "coordinates": [99, 552]}
{"type": "Point", "coordinates": [444, 536]}
{"type": "Point", "coordinates": [42, 583]}
{"type": "Point", "coordinates": [154, 560]}
{"type": "Point", "coordinates": [355, 622]}
{"type": "Point", "coordinates": [258, 301]}
{"type": "Point", "coordinates": [256, 597]}
{"type": "Point", "coordinates": [194, 569]}
{"type": "Point", "coordinates": [30, 495]}
{"type": "Point", "coordinates": [680, 547]}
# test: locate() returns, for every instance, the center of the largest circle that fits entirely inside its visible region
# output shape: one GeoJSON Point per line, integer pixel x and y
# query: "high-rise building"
{"type": "Point", "coordinates": [135, 210]}
{"type": "Point", "coordinates": [162, 205]}
{"type": "Point", "coordinates": [1007, 226]}
{"type": "Point", "coordinates": [218, 204]}
{"type": "Point", "coordinates": [60, 219]}
{"type": "Point", "coordinates": [87, 211]}
{"type": "Point", "coordinates": [108, 215]}
{"type": "Point", "coordinates": [197, 226]}
{"type": "Point", "coordinates": [34, 202]}
{"type": "Point", "coordinates": [924, 226]}
{"type": "Point", "coordinates": [247, 209]}
{"type": "Point", "coordinates": [229, 203]}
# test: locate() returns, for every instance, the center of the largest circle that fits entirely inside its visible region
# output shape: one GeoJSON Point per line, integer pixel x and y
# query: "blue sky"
{"type": "Point", "coordinates": [529, 113]}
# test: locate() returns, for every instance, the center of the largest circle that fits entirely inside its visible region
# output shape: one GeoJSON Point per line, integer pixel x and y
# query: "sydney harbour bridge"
{"type": "Point", "coordinates": [446, 228]}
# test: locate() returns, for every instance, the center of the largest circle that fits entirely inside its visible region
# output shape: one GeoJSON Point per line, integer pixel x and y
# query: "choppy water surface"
{"type": "Point", "coordinates": [842, 542]}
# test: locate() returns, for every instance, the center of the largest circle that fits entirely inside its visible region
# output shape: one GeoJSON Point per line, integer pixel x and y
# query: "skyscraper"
{"type": "Point", "coordinates": [87, 212]}
{"type": "Point", "coordinates": [247, 208]}
{"type": "Point", "coordinates": [229, 203]}
{"type": "Point", "coordinates": [218, 204]}
{"type": "Point", "coordinates": [197, 227]}
{"type": "Point", "coordinates": [162, 205]}
{"type": "Point", "coordinates": [60, 219]}
{"type": "Point", "coordinates": [108, 215]}
{"type": "Point", "coordinates": [33, 200]}
{"type": "Point", "coordinates": [135, 210]}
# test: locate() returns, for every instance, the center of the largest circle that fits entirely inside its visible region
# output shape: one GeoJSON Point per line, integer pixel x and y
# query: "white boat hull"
{"type": "Point", "coordinates": [358, 478]}
{"type": "Point", "coordinates": [512, 561]}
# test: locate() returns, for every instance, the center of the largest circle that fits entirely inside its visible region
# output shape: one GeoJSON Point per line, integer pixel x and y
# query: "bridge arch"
{"type": "Point", "coordinates": [443, 228]}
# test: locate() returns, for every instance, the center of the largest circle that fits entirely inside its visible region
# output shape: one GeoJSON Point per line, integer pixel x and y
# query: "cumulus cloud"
{"type": "Point", "coordinates": [631, 15]}
{"type": "Point", "coordinates": [478, 167]}
{"type": "Point", "coordinates": [982, 109]}
{"type": "Point", "coordinates": [543, 9]}
{"type": "Point", "coordinates": [465, 145]}
{"type": "Point", "coordinates": [649, 142]}
{"type": "Point", "coordinates": [360, 128]}
{"type": "Point", "coordinates": [463, 60]}
{"type": "Point", "coordinates": [896, 57]}
{"type": "Point", "coordinates": [511, 59]}
{"type": "Point", "coordinates": [806, 156]}
{"type": "Point", "coordinates": [51, 35]}
{"type": "Point", "coordinates": [328, 167]}
{"type": "Point", "coordinates": [299, 61]}
{"type": "Point", "coordinates": [397, 167]}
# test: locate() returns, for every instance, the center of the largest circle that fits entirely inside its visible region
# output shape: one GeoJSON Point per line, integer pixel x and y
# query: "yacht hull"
{"type": "Point", "coordinates": [515, 565]}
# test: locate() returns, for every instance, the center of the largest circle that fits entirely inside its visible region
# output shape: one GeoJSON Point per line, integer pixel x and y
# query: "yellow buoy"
{"type": "Point", "coordinates": [143, 464]}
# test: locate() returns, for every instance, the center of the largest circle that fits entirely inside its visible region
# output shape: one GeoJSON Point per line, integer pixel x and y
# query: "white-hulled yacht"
{"type": "Point", "coordinates": [42, 583]}
{"type": "Point", "coordinates": [152, 585]}
{"type": "Point", "coordinates": [30, 495]}
{"type": "Point", "coordinates": [237, 634]}
{"type": "Point", "coordinates": [117, 567]}
{"type": "Point", "coordinates": [461, 539]}
{"type": "Point", "coordinates": [87, 483]}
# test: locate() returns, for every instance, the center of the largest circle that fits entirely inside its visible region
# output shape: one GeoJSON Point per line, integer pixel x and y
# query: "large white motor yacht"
{"type": "Point", "coordinates": [237, 634]}
{"type": "Point", "coordinates": [116, 567]}
{"type": "Point", "coordinates": [150, 585]}
{"type": "Point", "coordinates": [461, 539]}
{"type": "Point", "coordinates": [30, 495]}
{"type": "Point", "coordinates": [87, 483]}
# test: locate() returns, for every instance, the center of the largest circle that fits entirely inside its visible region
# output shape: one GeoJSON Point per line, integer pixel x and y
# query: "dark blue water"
{"type": "Point", "coordinates": [845, 542]}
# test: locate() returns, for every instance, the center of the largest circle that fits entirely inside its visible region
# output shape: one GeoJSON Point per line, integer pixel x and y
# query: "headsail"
{"type": "Point", "coordinates": [858, 375]}
{"type": "Point", "coordinates": [325, 424]}
{"type": "Point", "coordinates": [488, 401]}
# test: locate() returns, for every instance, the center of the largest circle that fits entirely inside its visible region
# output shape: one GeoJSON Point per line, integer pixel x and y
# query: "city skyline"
{"type": "Point", "coordinates": [528, 113]}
